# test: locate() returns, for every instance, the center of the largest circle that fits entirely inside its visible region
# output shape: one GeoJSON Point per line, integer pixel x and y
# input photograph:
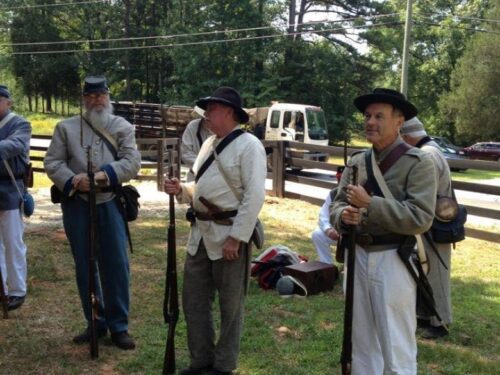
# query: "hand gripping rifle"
{"type": "Point", "coordinates": [94, 348]}
{"type": "Point", "coordinates": [346, 356]}
{"type": "Point", "coordinates": [3, 296]}
{"type": "Point", "coordinates": [171, 299]}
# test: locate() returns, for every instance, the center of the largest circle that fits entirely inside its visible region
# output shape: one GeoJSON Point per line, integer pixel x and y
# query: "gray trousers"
{"type": "Point", "coordinates": [202, 279]}
{"type": "Point", "coordinates": [439, 278]}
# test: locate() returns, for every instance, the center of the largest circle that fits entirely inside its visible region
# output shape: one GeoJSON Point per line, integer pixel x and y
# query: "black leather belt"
{"type": "Point", "coordinates": [366, 239]}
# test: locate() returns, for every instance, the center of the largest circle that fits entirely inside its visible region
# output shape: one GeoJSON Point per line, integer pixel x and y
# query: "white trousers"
{"type": "Point", "coordinates": [384, 317]}
{"type": "Point", "coordinates": [323, 245]}
{"type": "Point", "coordinates": [13, 252]}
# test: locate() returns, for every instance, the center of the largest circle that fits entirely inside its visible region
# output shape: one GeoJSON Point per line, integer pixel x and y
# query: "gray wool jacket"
{"type": "Point", "coordinates": [67, 154]}
{"type": "Point", "coordinates": [15, 137]}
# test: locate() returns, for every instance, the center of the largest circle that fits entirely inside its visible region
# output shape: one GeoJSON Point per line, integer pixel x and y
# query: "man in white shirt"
{"type": "Point", "coordinates": [194, 135]}
{"type": "Point", "coordinates": [225, 217]}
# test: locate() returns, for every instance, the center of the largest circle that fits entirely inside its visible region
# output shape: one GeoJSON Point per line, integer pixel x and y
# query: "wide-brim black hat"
{"type": "Point", "coordinates": [227, 96]}
{"type": "Point", "coordinates": [93, 84]}
{"type": "Point", "coordinates": [381, 95]}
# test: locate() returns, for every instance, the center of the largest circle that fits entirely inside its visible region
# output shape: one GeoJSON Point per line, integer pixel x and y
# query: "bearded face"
{"type": "Point", "coordinates": [98, 108]}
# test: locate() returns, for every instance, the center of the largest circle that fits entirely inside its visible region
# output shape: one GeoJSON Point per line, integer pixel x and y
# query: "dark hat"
{"type": "Point", "coordinates": [4, 91]}
{"type": "Point", "coordinates": [381, 95]}
{"type": "Point", "coordinates": [227, 96]}
{"type": "Point", "coordinates": [94, 84]}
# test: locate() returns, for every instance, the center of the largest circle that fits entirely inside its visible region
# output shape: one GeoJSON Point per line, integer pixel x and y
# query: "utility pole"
{"type": "Point", "coordinates": [406, 48]}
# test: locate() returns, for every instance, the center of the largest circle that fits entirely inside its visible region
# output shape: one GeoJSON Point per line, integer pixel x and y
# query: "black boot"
{"type": "Point", "coordinates": [434, 332]}
{"type": "Point", "coordinates": [15, 302]}
{"type": "Point", "coordinates": [84, 337]}
{"type": "Point", "coordinates": [123, 340]}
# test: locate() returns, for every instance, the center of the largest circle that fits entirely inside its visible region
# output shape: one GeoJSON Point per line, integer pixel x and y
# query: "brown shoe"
{"type": "Point", "coordinates": [123, 340]}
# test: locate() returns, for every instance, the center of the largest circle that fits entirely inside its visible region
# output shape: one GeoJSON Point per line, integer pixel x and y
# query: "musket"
{"type": "Point", "coordinates": [346, 355]}
{"type": "Point", "coordinates": [3, 296]}
{"type": "Point", "coordinates": [94, 348]}
{"type": "Point", "coordinates": [405, 252]}
{"type": "Point", "coordinates": [171, 298]}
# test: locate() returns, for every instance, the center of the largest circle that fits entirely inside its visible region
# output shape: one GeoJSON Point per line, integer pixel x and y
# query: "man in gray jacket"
{"type": "Point", "coordinates": [74, 140]}
{"type": "Point", "coordinates": [413, 133]}
{"type": "Point", "coordinates": [15, 135]}
{"type": "Point", "coordinates": [384, 316]}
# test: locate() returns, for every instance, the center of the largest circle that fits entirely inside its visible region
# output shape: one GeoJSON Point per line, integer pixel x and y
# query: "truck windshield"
{"type": "Point", "coordinates": [317, 124]}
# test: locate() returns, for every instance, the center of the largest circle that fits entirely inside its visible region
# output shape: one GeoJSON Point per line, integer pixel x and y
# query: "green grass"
{"type": "Point", "coordinates": [281, 336]}
{"type": "Point", "coordinates": [43, 124]}
{"type": "Point", "coordinates": [472, 175]}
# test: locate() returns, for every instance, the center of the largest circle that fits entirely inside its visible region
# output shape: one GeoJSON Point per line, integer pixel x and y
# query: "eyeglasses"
{"type": "Point", "coordinates": [96, 95]}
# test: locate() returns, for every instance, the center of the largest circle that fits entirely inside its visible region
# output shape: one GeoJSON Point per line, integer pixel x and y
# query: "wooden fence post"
{"type": "Point", "coordinates": [279, 150]}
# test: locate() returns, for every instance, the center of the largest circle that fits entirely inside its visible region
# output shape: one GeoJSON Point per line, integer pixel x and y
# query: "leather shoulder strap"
{"type": "Point", "coordinates": [221, 146]}
{"type": "Point", "coordinates": [394, 156]}
{"type": "Point", "coordinates": [108, 140]}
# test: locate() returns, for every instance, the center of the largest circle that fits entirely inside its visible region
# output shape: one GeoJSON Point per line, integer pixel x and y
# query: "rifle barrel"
{"type": "Point", "coordinates": [171, 298]}
{"type": "Point", "coordinates": [3, 296]}
{"type": "Point", "coordinates": [94, 346]}
{"type": "Point", "coordinates": [346, 356]}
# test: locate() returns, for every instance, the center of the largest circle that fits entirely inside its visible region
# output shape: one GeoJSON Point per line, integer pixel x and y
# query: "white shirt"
{"type": "Point", "coordinates": [244, 163]}
{"type": "Point", "coordinates": [324, 215]}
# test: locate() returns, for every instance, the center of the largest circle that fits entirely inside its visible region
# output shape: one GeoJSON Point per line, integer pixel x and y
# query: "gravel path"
{"type": "Point", "coordinates": [48, 215]}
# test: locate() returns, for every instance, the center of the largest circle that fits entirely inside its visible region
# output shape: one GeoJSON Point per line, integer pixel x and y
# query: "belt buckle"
{"type": "Point", "coordinates": [364, 239]}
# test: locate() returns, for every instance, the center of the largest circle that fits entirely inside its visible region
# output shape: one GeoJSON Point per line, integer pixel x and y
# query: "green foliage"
{"type": "Point", "coordinates": [317, 64]}
{"type": "Point", "coordinates": [471, 106]}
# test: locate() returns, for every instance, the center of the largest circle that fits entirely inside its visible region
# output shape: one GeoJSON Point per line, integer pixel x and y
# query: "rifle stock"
{"type": "Point", "coordinates": [346, 356]}
{"type": "Point", "coordinates": [94, 347]}
{"type": "Point", "coordinates": [171, 298]}
{"type": "Point", "coordinates": [3, 296]}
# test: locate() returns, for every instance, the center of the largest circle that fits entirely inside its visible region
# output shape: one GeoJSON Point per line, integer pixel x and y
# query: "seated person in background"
{"type": "Point", "coordinates": [324, 236]}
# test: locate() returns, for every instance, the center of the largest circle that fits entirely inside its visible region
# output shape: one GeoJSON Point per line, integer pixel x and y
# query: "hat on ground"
{"type": "Point", "coordinates": [4, 91]}
{"type": "Point", "coordinates": [227, 96]}
{"type": "Point", "coordinates": [381, 95]}
{"type": "Point", "coordinates": [94, 84]}
{"type": "Point", "coordinates": [413, 128]}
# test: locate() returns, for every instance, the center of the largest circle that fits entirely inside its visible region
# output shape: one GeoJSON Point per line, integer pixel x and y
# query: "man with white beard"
{"type": "Point", "coordinates": [73, 142]}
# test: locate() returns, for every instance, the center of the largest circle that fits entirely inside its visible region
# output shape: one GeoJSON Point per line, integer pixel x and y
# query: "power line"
{"type": "Point", "coordinates": [217, 41]}
{"type": "Point", "coordinates": [215, 32]}
{"type": "Point", "coordinates": [52, 5]}
{"type": "Point", "coordinates": [457, 27]}
{"type": "Point", "coordinates": [477, 19]}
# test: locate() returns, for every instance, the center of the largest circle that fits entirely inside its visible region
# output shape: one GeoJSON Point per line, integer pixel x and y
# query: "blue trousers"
{"type": "Point", "coordinates": [112, 266]}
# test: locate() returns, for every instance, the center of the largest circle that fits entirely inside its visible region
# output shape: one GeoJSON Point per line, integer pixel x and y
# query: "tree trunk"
{"type": "Point", "coordinates": [126, 62]}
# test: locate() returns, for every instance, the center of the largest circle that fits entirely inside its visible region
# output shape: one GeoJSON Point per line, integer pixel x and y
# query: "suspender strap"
{"type": "Point", "coordinates": [221, 146]}
{"type": "Point", "coordinates": [198, 133]}
{"type": "Point", "coordinates": [423, 141]}
{"type": "Point", "coordinates": [6, 119]}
